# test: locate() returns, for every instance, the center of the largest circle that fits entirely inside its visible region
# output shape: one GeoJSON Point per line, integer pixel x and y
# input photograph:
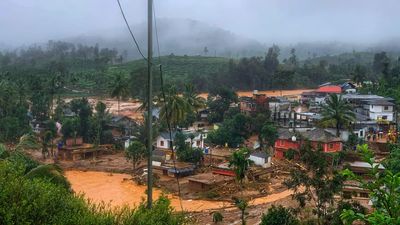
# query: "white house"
{"type": "Point", "coordinates": [379, 110]}
{"type": "Point", "coordinates": [197, 139]}
{"type": "Point", "coordinates": [260, 158]}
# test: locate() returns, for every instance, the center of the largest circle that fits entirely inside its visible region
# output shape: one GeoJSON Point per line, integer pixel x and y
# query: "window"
{"type": "Point", "coordinates": [364, 195]}
{"type": "Point", "coordinates": [384, 117]}
{"type": "Point", "coordinates": [386, 107]}
{"type": "Point", "coordinates": [330, 145]}
{"type": "Point", "coordinates": [161, 143]}
{"type": "Point", "coordinates": [280, 142]}
{"type": "Point", "coordinates": [361, 133]}
{"type": "Point", "coordinates": [197, 143]}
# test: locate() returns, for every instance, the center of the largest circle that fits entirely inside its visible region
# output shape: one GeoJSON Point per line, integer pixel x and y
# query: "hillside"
{"type": "Point", "coordinates": [177, 70]}
{"type": "Point", "coordinates": [179, 37]}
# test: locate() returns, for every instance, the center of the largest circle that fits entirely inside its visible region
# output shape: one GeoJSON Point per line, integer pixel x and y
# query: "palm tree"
{"type": "Point", "coordinates": [119, 88]}
{"type": "Point", "coordinates": [174, 107]}
{"type": "Point", "coordinates": [338, 112]}
{"type": "Point", "coordinates": [193, 99]}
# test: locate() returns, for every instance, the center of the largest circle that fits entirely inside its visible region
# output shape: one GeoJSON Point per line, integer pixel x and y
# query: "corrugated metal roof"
{"type": "Point", "coordinates": [330, 89]}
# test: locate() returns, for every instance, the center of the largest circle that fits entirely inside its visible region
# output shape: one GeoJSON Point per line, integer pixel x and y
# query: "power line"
{"type": "Point", "coordinates": [166, 109]}
{"type": "Point", "coordinates": [130, 31]}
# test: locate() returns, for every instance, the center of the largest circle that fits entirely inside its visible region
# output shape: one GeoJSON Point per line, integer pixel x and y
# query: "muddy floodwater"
{"type": "Point", "coordinates": [118, 190]}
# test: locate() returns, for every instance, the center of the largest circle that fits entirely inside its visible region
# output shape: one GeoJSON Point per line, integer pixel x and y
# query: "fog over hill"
{"type": "Point", "coordinates": [179, 37]}
{"type": "Point", "coordinates": [192, 37]}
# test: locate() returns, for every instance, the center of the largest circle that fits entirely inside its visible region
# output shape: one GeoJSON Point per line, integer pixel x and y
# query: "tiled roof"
{"type": "Point", "coordinates": [316, 134]}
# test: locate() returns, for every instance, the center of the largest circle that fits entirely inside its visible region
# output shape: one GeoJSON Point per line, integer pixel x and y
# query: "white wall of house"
{"type": "Point", "coordinates": [377, 112]}
{"type": "Point", "coordinates": [162, 143]}
{"type": "Point", "coordinates": [320, 100]}
{"type": "Point", "coordinates": [361, 133]}
{"type": "Point", "coordinates": [350, 91]}
{"type": "Point", "coordinates": [197, 142]}
{"type": "Point", "coordinates": [380, 108]}
{"type": "Point", "coordinates": [259, 161]}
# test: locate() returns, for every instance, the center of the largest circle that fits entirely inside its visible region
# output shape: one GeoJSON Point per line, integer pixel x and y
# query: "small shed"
{"type": "Point", "coordinates": [261, 158]}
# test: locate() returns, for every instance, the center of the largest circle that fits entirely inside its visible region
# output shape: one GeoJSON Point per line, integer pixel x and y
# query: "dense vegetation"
{"type": "Point", "coordinates": [31, 193]}
{"type": "Point", "coordinates": [65, 68]}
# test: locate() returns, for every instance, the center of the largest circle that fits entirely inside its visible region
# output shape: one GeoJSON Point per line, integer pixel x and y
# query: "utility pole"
{"type": "Point", "coordinates": [149, 104]}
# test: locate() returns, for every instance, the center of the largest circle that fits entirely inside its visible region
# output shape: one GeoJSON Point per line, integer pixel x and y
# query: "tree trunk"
{"type": "Point", "coordinates": [337, 130]}
{"type": "Point", "coordinates": [118, 105]}
{"type": "Point", "coordinates": [51, 147]}
{"type": "Point", "coordinates": [242, 217]}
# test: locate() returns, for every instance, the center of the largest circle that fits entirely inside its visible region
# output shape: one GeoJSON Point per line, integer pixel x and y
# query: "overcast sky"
{"type": "Point", "coordinates": [279, 21]}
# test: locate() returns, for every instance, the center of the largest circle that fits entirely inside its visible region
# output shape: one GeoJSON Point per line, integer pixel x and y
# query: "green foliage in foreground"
{"type": "Point", "coordinates": [35, 199]}
{"type": "Point", "coordinates": [384, 189]}
{"type": "Point", "coordinates": [279, 215]}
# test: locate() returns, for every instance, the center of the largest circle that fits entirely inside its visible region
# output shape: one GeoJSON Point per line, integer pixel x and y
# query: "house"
{"type": "Point", "coordinates": [197, 139]}
{"type": "Point", "coordinates": [318, 96]}
{"type": "Point", "coordinates": [318, 137]}
{"type": "Point", "coordinates": [122, 125]}
{"type": "Point", "coordinates": [203, 114]}
{"type": "Point", "coordinates": [251, 105]}
{"type": "Point", "coordinates": [373, 113]}
{"type": "Point", "coordinates": [329, 89]}
{"type": "Point", "coordinates": [353, 189]}
{"type": "Point", "coordinates": [379, 109]}
{"type": "Point", "coordinates": [348, 88]}
{"type": "Point", "coordinates": [277, 104]}
{"type": "Point", "coordinates": [260, 158]}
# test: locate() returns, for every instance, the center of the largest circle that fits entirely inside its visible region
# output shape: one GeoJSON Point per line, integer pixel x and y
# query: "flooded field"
{"type": "Point", "coordinates": [118, 190]}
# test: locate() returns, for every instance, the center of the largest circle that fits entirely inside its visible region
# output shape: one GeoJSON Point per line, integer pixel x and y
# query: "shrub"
{"type": "Point", "coordinates": [40, 201]}
{"type": "Point", "coordinates": [217, 217]}
{"type": "Point", "coordinates": [279, 216]}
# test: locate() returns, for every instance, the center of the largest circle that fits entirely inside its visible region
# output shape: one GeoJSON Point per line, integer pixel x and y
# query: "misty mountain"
{"type": "Point", "coordinates": [178, 37]}
{"type": "Point", "coordinates": [190, 37]}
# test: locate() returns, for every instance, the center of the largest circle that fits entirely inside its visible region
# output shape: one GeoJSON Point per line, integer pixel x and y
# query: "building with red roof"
{"type": "Point", "coordinates": [329, 89]}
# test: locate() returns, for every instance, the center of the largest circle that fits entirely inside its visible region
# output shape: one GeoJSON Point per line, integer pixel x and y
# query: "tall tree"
{"type": "Point", "coordinates": [359, 74]}
{"type": "Point", "coordinates": [174, 107]}
{"type": "Point", "coordinates": [381, 60]}
{"type": "Point", "coordinates": [240, 163]}
{"type": "Point", "coordinates": [269, 134]}
{"type": "Point", "coordinates": [192, 98]}
{"type": "Point", "coordinates": [314, 182]}
{"type": "Point", "coordinates": [119, 88]}
{"type": "Point", "coordinates": [337, 111]}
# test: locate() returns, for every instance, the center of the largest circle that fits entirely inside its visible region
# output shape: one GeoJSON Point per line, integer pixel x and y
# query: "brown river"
{"type": "Point", "coordinates": [118, 190]}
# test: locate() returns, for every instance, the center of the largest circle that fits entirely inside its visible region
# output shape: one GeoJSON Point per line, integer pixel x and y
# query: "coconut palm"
{"type": "Point", "coordinates": [174, 107]}
{"type": "Point", "coordinates": [193, 99]}
{"type": "Point", "coordinates": [119, 88]}
{"type": "Point", "coordinates": [337, 112]}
